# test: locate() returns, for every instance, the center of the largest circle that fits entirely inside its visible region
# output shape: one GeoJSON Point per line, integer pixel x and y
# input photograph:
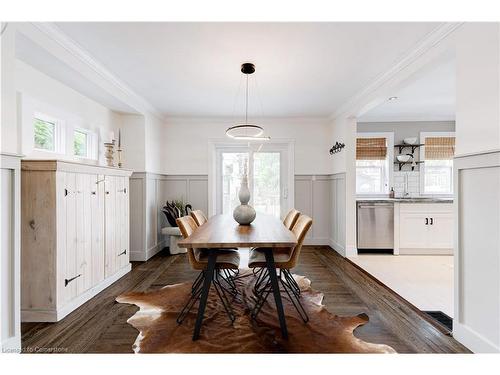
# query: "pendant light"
{"type": "Point", "coordinates": [246, 131]}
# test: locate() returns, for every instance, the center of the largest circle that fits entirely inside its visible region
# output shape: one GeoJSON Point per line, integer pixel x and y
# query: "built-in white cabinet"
{"type": "Point", "coordinates": [10, 218]}
{"type": "Point", "coordinates": [75, 235]}
{"type": "Point", "coordinates": [424, 228]}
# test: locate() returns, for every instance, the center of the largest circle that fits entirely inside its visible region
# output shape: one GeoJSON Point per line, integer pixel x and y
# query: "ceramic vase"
{"type": "Point", "coordinates": [244, 214]}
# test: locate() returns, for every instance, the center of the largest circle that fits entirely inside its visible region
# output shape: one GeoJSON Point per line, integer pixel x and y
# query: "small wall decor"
{"type": "Point", "coordinates": [337, 147]}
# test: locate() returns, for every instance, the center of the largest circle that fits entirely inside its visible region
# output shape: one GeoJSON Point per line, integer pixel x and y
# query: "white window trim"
{"type": "Point", "coordinates": [92, 149]}
{"type": "Point", "coordinates": [59, 134]}
{"type": "Point", "coordinates": [389, 136]}
{"type": "Point", "coordinates": [424, 135]}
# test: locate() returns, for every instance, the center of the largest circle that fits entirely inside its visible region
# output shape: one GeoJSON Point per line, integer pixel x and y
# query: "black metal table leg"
{"type": "Point", "coordinates": [209, 274]}
{"type": "Point", "coordinates": [276, 291]}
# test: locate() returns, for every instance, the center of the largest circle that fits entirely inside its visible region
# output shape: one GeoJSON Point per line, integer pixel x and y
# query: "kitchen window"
{"type": "Point", "coordinates": [437, 169]}
{"type": "Point", "coordinates": [373, 163]}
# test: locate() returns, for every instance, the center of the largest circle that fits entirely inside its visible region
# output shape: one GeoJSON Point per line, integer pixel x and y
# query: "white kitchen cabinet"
{"type": "Point", "coordinates": [425, 228]}
{"type": "Point", "coordinates": [74, 223]}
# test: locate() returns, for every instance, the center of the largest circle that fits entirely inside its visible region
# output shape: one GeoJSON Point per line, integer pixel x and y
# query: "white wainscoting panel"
{"type": "Point", "coordinates": [477, 251]}
{"type": "Point", "coordinates": [323, 198]}
{"type": "Point", "coordinates": [338, 213]}
{"type": "Point", "coordinates": [10, 269]}
{"type": "Point", "coordinates": [148, 194]}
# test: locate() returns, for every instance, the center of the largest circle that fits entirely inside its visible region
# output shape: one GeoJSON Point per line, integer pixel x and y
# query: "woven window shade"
{"type": "Point", "coordinates": [439, 148]}
{"type": "Point", "coordinates": [371, 149]}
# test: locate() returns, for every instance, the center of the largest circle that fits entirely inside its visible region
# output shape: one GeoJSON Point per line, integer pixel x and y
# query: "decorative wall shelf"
{"type": "Point", "coordinates": [401, 163]}
{"type": "Point", "coordinates": [401, 147]}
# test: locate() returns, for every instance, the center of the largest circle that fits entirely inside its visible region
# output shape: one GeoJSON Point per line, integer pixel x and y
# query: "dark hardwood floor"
{"type": "Point", "coordinates": [100, 325]}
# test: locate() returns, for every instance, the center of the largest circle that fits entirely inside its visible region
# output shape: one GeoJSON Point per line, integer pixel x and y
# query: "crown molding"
{"type": "Point", "coordinates": [430, 41]}
{"type": "Point", "coordinates": [53, 32]}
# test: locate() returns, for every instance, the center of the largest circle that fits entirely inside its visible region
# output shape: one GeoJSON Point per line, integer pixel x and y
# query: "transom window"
{"type": "Point", "coordinates": [45, 135]}
{"type": "Point", "coordinates": [48, 134]}
{"type": "Point", "coordinates": [373, 163]}
{"type": "Point", "coordinates": [80, 144]}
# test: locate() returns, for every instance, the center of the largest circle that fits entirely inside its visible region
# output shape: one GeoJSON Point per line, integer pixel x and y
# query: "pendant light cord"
{"type": "Point", "coordinates": [246, 106]}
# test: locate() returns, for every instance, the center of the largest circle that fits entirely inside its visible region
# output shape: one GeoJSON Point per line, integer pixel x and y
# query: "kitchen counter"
{"type": "Point", "coordinates": [405, 200]}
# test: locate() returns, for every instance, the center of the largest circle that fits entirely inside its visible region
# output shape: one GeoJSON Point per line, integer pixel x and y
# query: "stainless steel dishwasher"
{"type": "Point", "coordinates": [375, 225]}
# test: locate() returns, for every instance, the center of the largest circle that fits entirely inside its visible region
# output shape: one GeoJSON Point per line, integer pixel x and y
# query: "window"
{"type": "Point", "coordinates": [373, 163]}
{"type": "Point", "coordinates": [84, 144]}
{"type": "Point", "coordinates": [48, 134]}
{"type": "Point", "coordinates": [80, 143]}
{"type": "Point", "coordinates": [45, 135]}
{"type": "Point", "coordinates": [437, 170]}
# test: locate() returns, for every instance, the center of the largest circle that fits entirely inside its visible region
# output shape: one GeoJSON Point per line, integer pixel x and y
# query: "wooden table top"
{"type": "Point", "coordinates": [221, 231]}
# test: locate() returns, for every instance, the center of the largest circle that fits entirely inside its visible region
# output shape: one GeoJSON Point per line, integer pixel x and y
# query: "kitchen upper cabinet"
{"type": "Point", "coordinates": [426, 228]}
{"type": "Point", "coordinates": [75, 228]}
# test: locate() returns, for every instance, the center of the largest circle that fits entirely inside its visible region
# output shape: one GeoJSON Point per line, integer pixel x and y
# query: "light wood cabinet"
{"type": "Point", "coordinates": [75, 243]}
{"type": "Point", "coordinates": [426, 228]}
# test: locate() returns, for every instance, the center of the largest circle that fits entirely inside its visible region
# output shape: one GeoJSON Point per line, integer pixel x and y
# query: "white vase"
{"type": "Point", "coordinates": [244, 214]}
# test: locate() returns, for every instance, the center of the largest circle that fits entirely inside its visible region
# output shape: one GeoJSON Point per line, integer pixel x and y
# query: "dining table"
{"type": "Point", "coordinates": [223, 232]}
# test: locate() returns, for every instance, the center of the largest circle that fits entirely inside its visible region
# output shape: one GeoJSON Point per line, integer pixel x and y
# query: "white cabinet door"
{"type": "Point", "coordinates": [122, 211]}
{"type": "Point", "coordinates": [97, 214]}
{"type": "Point", "coordinates": [110, 225]}
{"type": "Point", "coordinates": [413, 231]}
{"type": "Point", "coordinates": [441, 230]}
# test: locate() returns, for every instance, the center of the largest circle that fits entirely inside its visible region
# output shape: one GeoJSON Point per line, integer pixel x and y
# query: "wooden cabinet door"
{"type": "Point", "coordinates": [70, 272]}
{"type": "Point", "coordinates": [83, 233]}
{"type": "Point", "coordinates": [441, 231]}
{"type": "Point", "coordinates": [413, 231]}
{"type": "Point", "coordinates": [97, 227]}
{"type": "Point", "coordinates": [122, 204]}
{"type": "Point", "coordinates": [110, 217]}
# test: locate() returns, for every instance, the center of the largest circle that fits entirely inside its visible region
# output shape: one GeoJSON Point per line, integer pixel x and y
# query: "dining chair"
{"type": "Point", "coordinates": [285, 259]}
{"type": "Point", "coordinates": [198, 259]}
{"type": "Point", "coordinates": [199, 217]}
{"type": "Point", "coordinates": [291, 218]}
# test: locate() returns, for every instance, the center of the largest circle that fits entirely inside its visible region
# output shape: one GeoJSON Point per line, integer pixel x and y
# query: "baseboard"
{"type": "Point", "coordinates": [143, 256]}
{"type": "Point", "coordinates": [11, 345]}
{"type": "Point", "coordinates": [317, 241]}
{"type": "Point", "coordinates": [55, 315]}
{"type": "Point", "coordinates": [351, 251]}
{"type": "Point", "coordinates": [403, 251]}
{"type": "Point", "coordinates": [473, 340]}
{"type": "Point", "coordinates": [337, 247]}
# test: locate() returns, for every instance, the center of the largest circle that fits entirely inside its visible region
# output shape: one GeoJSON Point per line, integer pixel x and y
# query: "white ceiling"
{"type": "Point", "coordinates": [192, 69]}
{"type": "Point", "coordinates": [430, 96]}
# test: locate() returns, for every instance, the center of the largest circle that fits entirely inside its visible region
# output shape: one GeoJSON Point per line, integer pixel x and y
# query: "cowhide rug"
{"type": "Point", "coordinates": [324, 333]}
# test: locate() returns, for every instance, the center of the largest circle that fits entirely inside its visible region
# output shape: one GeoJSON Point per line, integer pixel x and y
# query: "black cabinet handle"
{"type": "Point", "coordinates": [67, 281]}
{"type": "Point", "coordinates": [426, 221]}
{"type": "Point", "coordinates": [93, 192]}
{"type": "Point", "coordinates": [123, 252]}
{"type": "Point", "coordinates": [107, 192]}
{"type": "Point", "coordinates": [432, 221]}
